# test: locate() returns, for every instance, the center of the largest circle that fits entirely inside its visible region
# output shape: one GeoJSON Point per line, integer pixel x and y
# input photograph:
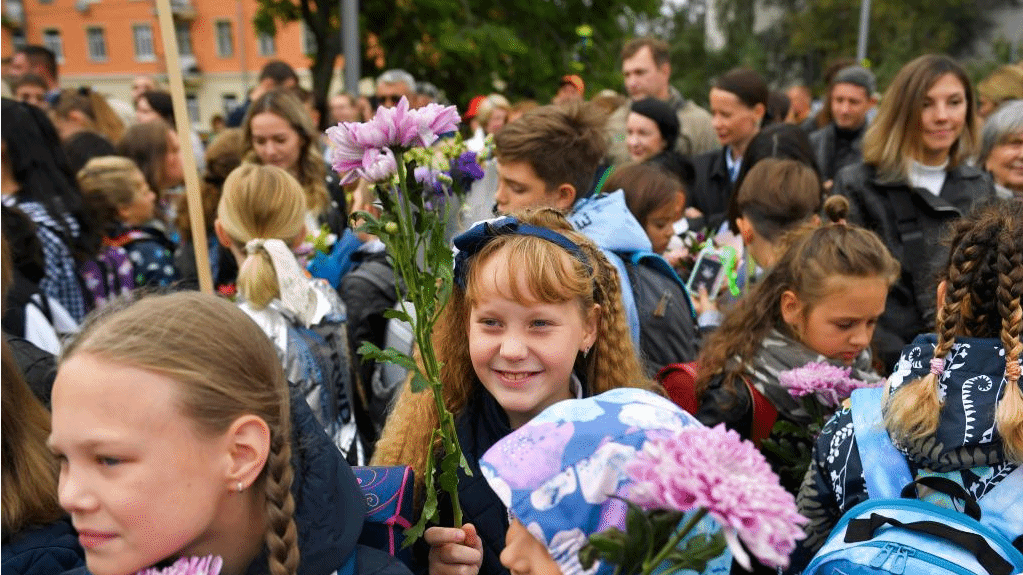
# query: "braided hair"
{"type": "Point", "coordinates": [983, 280]}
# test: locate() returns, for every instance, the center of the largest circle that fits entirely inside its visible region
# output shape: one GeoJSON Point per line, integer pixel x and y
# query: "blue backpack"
{"type": "Point", "coordinates": [893, 532]}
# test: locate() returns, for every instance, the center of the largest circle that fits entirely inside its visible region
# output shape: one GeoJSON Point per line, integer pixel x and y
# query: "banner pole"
{"type": "Point", "coordinates": [182, 123]}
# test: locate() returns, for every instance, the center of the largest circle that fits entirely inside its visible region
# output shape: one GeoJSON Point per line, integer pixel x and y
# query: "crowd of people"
{"type": "Point", "coordinates": [627, 235]}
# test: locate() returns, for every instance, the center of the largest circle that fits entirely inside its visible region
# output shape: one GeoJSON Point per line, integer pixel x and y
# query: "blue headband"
{"type": "Point", "coordinates": [471, 241]}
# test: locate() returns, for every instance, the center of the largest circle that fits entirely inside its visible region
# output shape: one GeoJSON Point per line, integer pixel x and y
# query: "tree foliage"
{"type": "Point", "coordinates": [469, 47]}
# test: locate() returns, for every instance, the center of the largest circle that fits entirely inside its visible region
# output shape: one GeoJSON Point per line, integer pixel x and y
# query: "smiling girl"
{"type": "Point", "coordinates": [535, 318]}
{"type": "Point", "coordinates": [913, 181]}
{"type": "Point", "coordinates": [820, 302]}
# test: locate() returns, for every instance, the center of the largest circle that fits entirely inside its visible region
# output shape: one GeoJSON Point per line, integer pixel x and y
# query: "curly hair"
{"type": "Point", "coordinates": [612, 362]}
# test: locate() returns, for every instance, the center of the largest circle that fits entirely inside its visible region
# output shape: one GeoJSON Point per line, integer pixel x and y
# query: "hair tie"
{"type": "Point", "coordinates": [470, 242]}
{"type": "Point", "coordinates": [254, 245]}
{"type": "Point", "coordinates": [297, 296]}
{"type": "Point", "coordinates": [937, 366]}
{"type": "Point", "coordinates": [1012, 371]}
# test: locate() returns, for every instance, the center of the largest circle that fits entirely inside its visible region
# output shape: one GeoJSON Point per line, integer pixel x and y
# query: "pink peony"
{"type": "Point", "coordinates": [831, 384]}
{"type": "Point", "coordinates": [714, 469]}
{"type": "Point", "coordinates": [209, 565]}
{"type": "Point", "coordinates": [364, 149]}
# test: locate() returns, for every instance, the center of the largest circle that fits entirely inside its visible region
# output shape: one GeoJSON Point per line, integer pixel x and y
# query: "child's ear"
{"type": "Point", "coordinates": [222, 237]}
{"type": "Point", "coordinates": [791, 308]}
{"type": "Point", "coordinates": [592, 326]}
{"type": "Point", "coordinates": [564, 197]}
{"type": "Point", "coordinates": [248, 448]}
{"type": "Point", "coordinates": [745, 230]}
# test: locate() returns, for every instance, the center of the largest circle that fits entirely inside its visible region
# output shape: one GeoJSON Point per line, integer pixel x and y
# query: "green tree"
{"type": "Point", "coordinates": [466, 46]}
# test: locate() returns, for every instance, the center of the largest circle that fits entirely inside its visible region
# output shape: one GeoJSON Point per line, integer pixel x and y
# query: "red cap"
{"type": "Point", "coordinates": [474, 108]}
{"type": "Point", "coordinates": [574, 80]}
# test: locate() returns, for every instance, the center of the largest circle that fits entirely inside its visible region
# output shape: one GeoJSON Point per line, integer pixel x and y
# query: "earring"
{"type": "Point", "coordinates": [240, 487]}
{"type": "Point", "coordinates": [586, 352]}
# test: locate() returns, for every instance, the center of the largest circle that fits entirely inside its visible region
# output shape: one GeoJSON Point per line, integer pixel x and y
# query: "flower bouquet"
{"type": "Point", "coordinates": [682, 477]}
{"type": "Point", "coordinates": [394, 150]}
{"type": "Point", "coordinates": [820, 388]}
{"type": "Point", "coordinates": [209, 565]}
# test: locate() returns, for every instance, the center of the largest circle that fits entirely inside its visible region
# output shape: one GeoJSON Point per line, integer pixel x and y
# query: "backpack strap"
{"type": "Point", "coordinates": [628, 298]}
{"type": "Point", "coordinates": [911, 232]}
{"type": "Point", "coordinates": [885, 469]}
{"type": "Point", "coordinates": [658, 262]}
{"type": "Point", "coordinates": [765, 414]}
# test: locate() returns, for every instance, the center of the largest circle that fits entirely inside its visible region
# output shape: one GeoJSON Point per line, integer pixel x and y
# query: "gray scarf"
{"type": "Point", "coordinates": [779, 353]}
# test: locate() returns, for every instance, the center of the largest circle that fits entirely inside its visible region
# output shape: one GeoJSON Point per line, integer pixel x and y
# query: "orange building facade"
{"type": "Point", "coordinates": [105, 44]}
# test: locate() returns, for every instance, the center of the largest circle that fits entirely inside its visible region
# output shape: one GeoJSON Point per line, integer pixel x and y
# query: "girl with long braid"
{"type": "Point", "coordinates": [954, 405]}
{"type": "Point", "coordinates": [535, 317]}
{"type": "Point", "coordinates": [177, 437]}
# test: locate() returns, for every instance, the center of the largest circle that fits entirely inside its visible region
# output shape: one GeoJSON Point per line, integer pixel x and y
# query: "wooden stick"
{"type": "Point", "coordinates": [183, 125]}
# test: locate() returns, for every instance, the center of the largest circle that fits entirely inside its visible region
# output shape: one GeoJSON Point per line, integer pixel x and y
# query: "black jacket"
{"type": "Point", "coordinates": [481, 424]}
{"type": "Point", "coordinates": [910, 308]}
{"type": "Point", "coordinates": [713, 186]}
{"type": "Point", "coordinates": [329, 507]}
{"type": "Point", "coordinates": [829, 159]}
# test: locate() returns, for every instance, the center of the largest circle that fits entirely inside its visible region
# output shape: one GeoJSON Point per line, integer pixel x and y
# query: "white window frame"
{"type": "Point", "coordinates": [143, 42]}
{"type": "Point", "coordinates": [96, 44]}
{"type": "Point", "coordinates": [219, 26]}
{"type": "Point", "coordinates": [53, 40]}
{"type": "Point", "coordinates": [267, 44]}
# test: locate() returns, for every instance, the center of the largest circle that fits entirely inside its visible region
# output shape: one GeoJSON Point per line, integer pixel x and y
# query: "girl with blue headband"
{"type": "Point", "coordinates": [535, 317]}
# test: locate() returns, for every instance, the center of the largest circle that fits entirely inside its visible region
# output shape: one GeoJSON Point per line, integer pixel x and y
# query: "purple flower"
{"type": "Point", "coordinates": [209, 565]}
{"type": "Point", "coordinates": [360, 147]}
{"type": "Point", "coordinates": [829, 383]}
{"type": "Point", "coordinates": [714, 469]}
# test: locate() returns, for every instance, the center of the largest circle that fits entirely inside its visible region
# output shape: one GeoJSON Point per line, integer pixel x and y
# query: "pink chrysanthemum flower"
{"type": "Point", "coordinates": [209, 565]}
{"type": "Point", "coordinates": [714, 469]}
{"type": "Point", "coordinates": [364, 149]}
{"type": "Point", "coordinates": [830, 384]}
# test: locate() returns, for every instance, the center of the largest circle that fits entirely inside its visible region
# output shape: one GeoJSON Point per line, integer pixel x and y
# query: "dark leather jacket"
{"type": "Point", "coordinates": [910, 308]}
{"type": "Point", "coordinates": [713, 187]}
{"type": "Point", "coordinates": [823, 142]}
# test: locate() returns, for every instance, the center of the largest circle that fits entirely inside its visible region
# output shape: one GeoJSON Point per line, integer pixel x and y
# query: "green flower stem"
{"type": "Point", "coordinates": [649, 566]}
{"type": "Point", "coordinates": [428, 309]}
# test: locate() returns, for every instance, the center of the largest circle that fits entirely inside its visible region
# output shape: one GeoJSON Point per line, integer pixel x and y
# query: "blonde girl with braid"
{"type": "Point", "coordinates": [954, 404]}
{"type": "Point", "coordinates": [177, 436]}
{"type": "Point", "coordinates": [535, 318]}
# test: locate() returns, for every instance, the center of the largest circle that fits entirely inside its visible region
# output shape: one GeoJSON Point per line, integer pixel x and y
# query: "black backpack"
{"type": "Point", "coordinates": [667, 323]}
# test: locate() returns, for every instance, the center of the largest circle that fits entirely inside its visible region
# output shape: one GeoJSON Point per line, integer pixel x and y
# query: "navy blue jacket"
{"type": "Point", "coordinates": [44, 550]}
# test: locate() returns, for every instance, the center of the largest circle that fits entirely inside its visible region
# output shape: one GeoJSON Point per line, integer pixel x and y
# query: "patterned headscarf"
{"type": "Point", "coordinates": [556, 473]}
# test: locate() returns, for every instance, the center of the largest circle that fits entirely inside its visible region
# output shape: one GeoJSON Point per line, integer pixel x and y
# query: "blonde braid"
{"type": "Point", "coordinates": [914, 410]}
{"type": "Point", "coordinates": [281, 533]}
{"type": "Point", "coordinates": [1009, 413]}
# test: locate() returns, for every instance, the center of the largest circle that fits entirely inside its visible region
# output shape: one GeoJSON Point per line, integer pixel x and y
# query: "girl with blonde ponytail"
{"type": "Point", "coordinates": [954, 403]}
{"type": "Point", "coordinates": [177, 436]}
{"type": "Point", "coordinates": [261, 219]}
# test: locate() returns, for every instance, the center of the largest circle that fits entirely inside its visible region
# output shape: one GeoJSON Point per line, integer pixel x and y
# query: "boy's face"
{"type": "Point", "coordinates": [519, 187]}
{"type": "Point", "coordinates": [524, 555]}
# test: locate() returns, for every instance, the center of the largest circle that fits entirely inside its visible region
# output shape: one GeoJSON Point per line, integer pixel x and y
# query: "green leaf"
{"type": "Point", "coordinates": [418, 383]}
{"type": "Point", "coordinates": [399, 314]}
{"type": "Point", "coordinates": [697, 552]}
{"type": "Point", "coordinates": [429, 513]}
{"type": "Point", "coordinates": [663, 523]}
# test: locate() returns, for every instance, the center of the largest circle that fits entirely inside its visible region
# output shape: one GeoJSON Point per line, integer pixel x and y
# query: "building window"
{"type": "Point", "coordinates": [267, 46]}
{"type": "Point", "coordinates": [229, 102]}
{"type": "Point", "coordinates": [308, 40]}
{"type": "Point", "coordinates": [18, 39]}
{"type": "Point", "coordinates": [143, 36]}
{"type": "Point", "coordinates": [184, 36]}
{"type": "Point", "coordinates": [225, 39]}
{"type": "Point", "coordinates": [192, 103]}
{"type": "Point", "coordinates": [51, 39]}
{"type": "Point", "coordinates": [97, 44]}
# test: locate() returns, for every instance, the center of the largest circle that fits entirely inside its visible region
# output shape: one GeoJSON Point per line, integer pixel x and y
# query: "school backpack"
{"type": "Point", "coordinates": [679, 382]}
{"type": "Point", "coordinates": [109, 275]}
{"type": "Point", "coordinates": [893, 532]}
{"type": "Point", "coordinates": [667, 322]}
